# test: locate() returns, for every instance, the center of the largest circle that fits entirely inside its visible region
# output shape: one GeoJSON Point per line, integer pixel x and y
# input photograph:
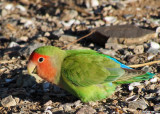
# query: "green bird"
{"type": "Point", "coordinates": [86, 74]}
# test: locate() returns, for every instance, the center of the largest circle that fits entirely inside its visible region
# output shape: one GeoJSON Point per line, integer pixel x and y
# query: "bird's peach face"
{"type": "Point", "coordinates": [42, 66]}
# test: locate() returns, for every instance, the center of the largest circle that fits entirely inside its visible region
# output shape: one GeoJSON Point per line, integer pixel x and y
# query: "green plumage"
{"type": "Point", "coordinates": [89, 75]}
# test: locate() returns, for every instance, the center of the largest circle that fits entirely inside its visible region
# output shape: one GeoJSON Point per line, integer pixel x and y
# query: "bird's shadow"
{"type": "Point", "coordinates": [24, 87]}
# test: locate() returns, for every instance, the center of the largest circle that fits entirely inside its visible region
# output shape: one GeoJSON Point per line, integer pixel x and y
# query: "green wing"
{"type": "Point", "coordinates": [84, 69]}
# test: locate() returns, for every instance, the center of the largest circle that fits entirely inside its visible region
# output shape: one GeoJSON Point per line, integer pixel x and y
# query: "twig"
{"type": "Point", "coordinates": [144, 64]}
{"type": "Point", "coordinates": [78, 39]}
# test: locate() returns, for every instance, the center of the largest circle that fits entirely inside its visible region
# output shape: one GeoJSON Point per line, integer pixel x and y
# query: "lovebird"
{"type": "Point", "coordinates": [87, 74]}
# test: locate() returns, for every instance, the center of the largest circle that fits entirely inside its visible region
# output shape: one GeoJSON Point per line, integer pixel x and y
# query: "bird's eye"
{"type": "Point", "coordinates": [41, 59]}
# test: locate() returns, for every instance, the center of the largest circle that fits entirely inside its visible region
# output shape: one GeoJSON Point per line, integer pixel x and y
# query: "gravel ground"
{"type": "Point", "coordinates": [124, 29]}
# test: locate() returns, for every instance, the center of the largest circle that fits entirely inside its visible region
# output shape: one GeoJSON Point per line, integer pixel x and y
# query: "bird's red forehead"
{"type": "Point", "coordinates": [35, 56]}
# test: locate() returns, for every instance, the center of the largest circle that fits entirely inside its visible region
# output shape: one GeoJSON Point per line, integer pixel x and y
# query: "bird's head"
{"type": "Point", "coordinates": [44, 62]}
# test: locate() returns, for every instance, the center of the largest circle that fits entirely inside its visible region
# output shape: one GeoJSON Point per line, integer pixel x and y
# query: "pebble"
{"type": "Point", "coordinates": [94, 3]}
{"type": "Point", "coordinates": [158, 32]}
{"type": "Point", "coordinates": [150, 57]}
{"type": "Point", "coordinates": [8, 101]}
{"type": "Point", "coordinates": [132, 85]}
{"type": "Point", "coordinates": [58, 33]}
{"type": "Point", "coordinates": [67, 38]}
{"type": "Point", "coordinates": [13, 44]}
{"type": "Point", "coordinates": [139, 49]}
{"type": "Point", "coordinates": [47, 34]}
{"type": "Point", "coordinates": [86, 110]}
{"type": "Point", "coordinates": [154, 80]}
{"type": "Point", "coordinates": [138, 104]}
{"type": "Point", "coordinates": [9, 7]}
{"type": "Point", "coordinates": [110, 19]}
{"type": "Point", "coordinates": [28, 23]}
{"type": "Point", "coordinates": [154, 48]}
{"type": "Point", "coordinates": [69, 15]}
{"type": "Point", "coordinates": [22, 8]}
{"type": "Point", "coordinates": [67, 107]}
{"type": "Point", "coordinates": [147, 69]}
{"type": "Point", "coordinates": [24, 38]}
{"type": "Point", "coordinates": [128, 16]}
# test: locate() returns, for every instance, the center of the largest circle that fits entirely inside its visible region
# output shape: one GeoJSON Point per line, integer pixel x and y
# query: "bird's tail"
{"type": "Point", "coordinates": [132, 75]}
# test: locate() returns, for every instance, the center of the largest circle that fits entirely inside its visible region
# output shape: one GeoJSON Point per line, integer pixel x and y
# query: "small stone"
{"type": "Point", "coordinates": [154, 48]}
{"type": "Point", "coordinates": [155, 45]}
{"type": "Point", "coordinates": [151, 56]}
{"type": "Point", "coordinates": [17, 100]}
{"type": "Point", "coordinates": [67, 107]}
{"type": "Point", "coordinates": [158, 32]}
{"type": "Point", "coordinates": [28, 23]}
{"type": "Point", "coordinates": [69, 15]}
{"type": "Point", "coordinates": [94, 3]}
{"type": "Point", "coordinates": [70, 22]}
{"type": "Point", "coordinates": [67, 38]}
{"type": "Point", "coordinates": [9, 7]}
{"type": "Point", "coordinates": [154, 80]}
{"type": "Point", "coordinates": [133, 59]}
{"type": "Point", "coordinates": [24, 38]}
{"type": "Point", "coordinates": [138, 104]}
{"type": "Point", "coordinates": [8, 101]}
{"type": "Point", "coordinates": [132, 85]}
{"type": "Point", "coordinates": [120, 5]}
{"type": "Point", "coordinates": [47, 34]}
{"type": "Point", "coordinates": [110, 19]}
{"type": "Point", "coordinates": [58, 33]}
{"type": "Point", "coordinates": [91, 45]}
{"type": "Point", "coordinates": [22, 8]}
{"type": "Point", "coordinates": [139, 49]}
{"type": "Point", "coordinates": [147, 69]}
{"type": "Point", "coordinates": [128, 16]}
{"type": "Point", "coordinates": [156, 107]}
{"type": "Point", "coordinates": [13, 44]}
{"type": "Point", "coordinates": [86, 110]}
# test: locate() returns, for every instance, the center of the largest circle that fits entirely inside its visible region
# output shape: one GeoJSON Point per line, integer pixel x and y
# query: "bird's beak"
{"type": "Point", "coordinates": [32, 70]}
{"type": "Point", "coordinates": [31, 67]}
